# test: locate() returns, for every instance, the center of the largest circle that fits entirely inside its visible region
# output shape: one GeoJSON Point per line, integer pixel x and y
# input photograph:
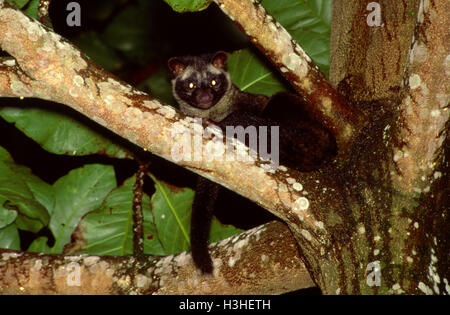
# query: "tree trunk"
{"type": "Point", "coordinates": [388, 233]}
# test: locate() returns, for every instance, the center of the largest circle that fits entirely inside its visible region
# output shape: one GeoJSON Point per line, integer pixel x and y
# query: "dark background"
{"type": "Point", "coordinates": [169, 34]}
{"type": "Point", "coordinates": [141, 36]}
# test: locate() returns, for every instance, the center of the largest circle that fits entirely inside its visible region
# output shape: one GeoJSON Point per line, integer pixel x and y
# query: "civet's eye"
{"type": "Point", "coordinates": [191, 85]}
{"type": "Point", "coordinates": [214, 83]}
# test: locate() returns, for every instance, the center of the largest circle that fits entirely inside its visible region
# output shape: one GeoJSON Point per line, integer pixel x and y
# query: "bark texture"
{"type": "Point", "coordinates": [373, 222]}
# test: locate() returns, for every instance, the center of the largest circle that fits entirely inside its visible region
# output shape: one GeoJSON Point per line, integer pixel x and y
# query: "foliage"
{"type": "Point", "coordinates": [88, 199]}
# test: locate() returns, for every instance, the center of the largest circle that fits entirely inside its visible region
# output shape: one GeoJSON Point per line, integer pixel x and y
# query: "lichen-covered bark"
{"type": "Point", "coordinates": [297, 67]}
{"type": "Point", "coordinates": [270, 265]}
{"type": "Point", "coordinates": [384, 205]}
{"type": "Point", "coordinates": [395, 181]}
{"type": "Point", "coordinates": [368, 61]}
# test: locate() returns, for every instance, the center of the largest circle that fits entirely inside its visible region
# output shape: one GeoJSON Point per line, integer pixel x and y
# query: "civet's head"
{"type": "Point", "coordinates": [199, 82]}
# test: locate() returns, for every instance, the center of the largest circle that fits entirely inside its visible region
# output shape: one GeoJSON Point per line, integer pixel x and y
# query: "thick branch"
{"type": "Point", "coordinates": [51, 68]}
{"type": "Point", "coordinates": [424, 112]}
{"type": "Point", "coordinates": [270, 252]}
{"type": "Point", "coordinates": [298, 68]}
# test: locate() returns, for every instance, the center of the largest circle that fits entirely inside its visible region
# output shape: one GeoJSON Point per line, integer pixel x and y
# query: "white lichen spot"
{"type": "Point", "coordinates": [398, 155]}
{"type": "Point", "coordinates": [78, 80]}
{"type": "Point", "coordinates": [282, 187]}
{"type": "Point", "coordinates": [306, 234]}
{"type": "Point", "coordinates": [99, 120]}
{"type": "Point", "coordinates": [9, 62]}
{"type": "Point", "coordinates": [6, 256]}
{"type": "Point", "coordinates": [297, 186]}
{"type": "Point", "coordinates": [282, 168]}
{"type": "Point", "coordinates": [447, 286]}
{"type": "Point", "coordinates": [232, 261]}
{"type": "Point", "coordinates": [419, 52]}
{"type": "Point", "coordinates": [361, 229]}
{"type": "Point", "coordinates": [437, 175]}
{"type": "Point", "coordinates": [124, 282]}
{"type": "Point", "coordinates": [240, 244]}
{"type": "Point", "coordinates": [416, 225]}
{"type": "Point", "coordinates": [89, 261]}
{"type": "Point", "coordinates": [294, 63]}
{"type": "Point", "coordinates": [267, 168]}
{"type": "Point", "coordinates": [151, 104]}
{"type": "Point", "coordinates": [414, 81]}
{"type": "Point", "coordinates": [319, 224]}
{"type": "Point", "coordinates": [301, 204]}
{"type": "Point", "coordinates": [273, 27]}
{"type": "Point", "coordinates": [447, 65]}
{"type": "Point", "coordinates": [424, 288]}
{"type": "Point", "coordinates": [396, 287]}
{"type": "Point", "coordinates": [142, 282]}
{"type": "Point", "coordinates": [284, 69]}
{"type": "Point", "coordinates": [409, 259]}
{"type": "Point", "coordinates": [414, 252]}
{"type": "Point", "coordinates": [109, 99]}
{"type": "Point", "coordinates": [264, 258]}
{"type": "Point", "coordinates": [377, 238]}
{"type": "Point", "coordinates": [166, 111]}
{"type": "Point", "coordinates": [435, 113]}
{"type": "Point", "coordinates": [290, 180]}
{"type": "Point", "coordinates": [73, 92]}
{"type": "Point", "coordinates": [376, 252]}
{"type": "Point", "coordinates": [37, 265]}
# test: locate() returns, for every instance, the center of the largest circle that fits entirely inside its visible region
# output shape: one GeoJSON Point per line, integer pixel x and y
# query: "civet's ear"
{"type": "Point", "coordinates": [176, 66]}
{"type": "Point", "coordinates": [219, 60]}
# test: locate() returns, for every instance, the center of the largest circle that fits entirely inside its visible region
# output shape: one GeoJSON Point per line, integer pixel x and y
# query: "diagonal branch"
{"type": "Point", "coordinates": [297, 67]}
{"type": "Point", "coordinates": [49, 67]}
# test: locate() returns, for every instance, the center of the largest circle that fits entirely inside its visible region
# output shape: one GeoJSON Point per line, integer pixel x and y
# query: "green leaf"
{"type": "Point", "coordinates": [39, 245]}
{"type": "Point", "coordinates": [157, 86]}
{"type": "Point", "coordinates": [77, 193]}
{"type": "Point", "coordinates": [252, 75]}
{"type": "Point", "coordinates": [93, 46]}
{"type": "Point", "coordinates": [188, 5]}
{"type": "Point", "coordinates": [221, 231]}
{"type": "Point", "coordinates": [32, 9]}
{"type": "Point", "coordinates": [109, 229]}
{"type": "Point", "coordinates": [308, 22]}
{"type": "Point", "coordinates": [24, 192]}
{"type": "Point", "coordinates": [6, 216]}
{"type": "Point", "coordinates": [59, 133]}
{"type": "Point", "coordinates": [9, 237]}
{"type": "Point", "coordinates": [27, 224]}
{"type": "Point", "coordinates": [172, 211]}
{"type": "Point", "coordinates": [129, 33]}
{"type": "Point", "coordinates": [172, 208]}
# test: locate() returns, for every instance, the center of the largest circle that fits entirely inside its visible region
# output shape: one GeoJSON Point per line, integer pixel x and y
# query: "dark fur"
{"type": "Point", "coordinates": [304, 144]}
